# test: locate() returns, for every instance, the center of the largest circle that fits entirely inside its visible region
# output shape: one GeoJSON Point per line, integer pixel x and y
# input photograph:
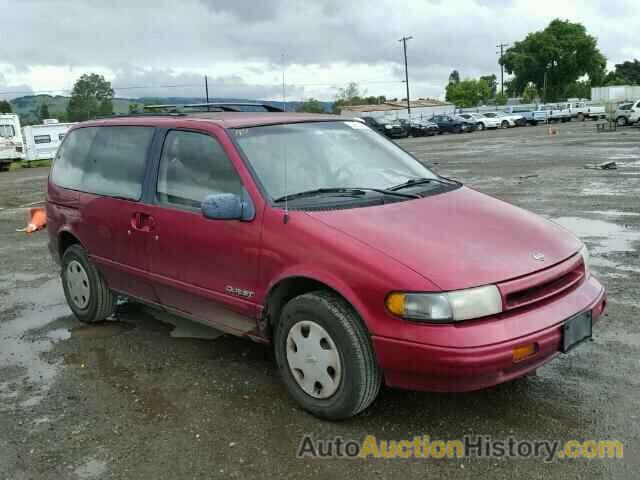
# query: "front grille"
{"type": "Point", "coordinates": [554, 281]}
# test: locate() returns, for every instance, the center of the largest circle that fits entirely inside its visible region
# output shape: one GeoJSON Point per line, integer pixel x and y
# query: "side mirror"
{"type": "Point", "coordinates": [228, 206]}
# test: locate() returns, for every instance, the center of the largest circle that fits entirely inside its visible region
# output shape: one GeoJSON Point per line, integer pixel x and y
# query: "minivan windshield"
{"type": "Point", "coordinates": [325, 155]}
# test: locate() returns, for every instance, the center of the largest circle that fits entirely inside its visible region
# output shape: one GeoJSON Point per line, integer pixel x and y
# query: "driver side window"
{"type": "Point", "coordinates": [194, 165]}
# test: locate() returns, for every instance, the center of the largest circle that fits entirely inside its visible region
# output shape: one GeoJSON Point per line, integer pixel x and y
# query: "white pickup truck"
{"type": "Point", "coordinates": [581, 111]}
{"type": "Point", "coordinates": [556, 112]}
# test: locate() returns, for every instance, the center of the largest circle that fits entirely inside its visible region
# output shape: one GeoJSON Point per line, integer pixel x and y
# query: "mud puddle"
{"type": "Point", "coordinates": [608, 237]}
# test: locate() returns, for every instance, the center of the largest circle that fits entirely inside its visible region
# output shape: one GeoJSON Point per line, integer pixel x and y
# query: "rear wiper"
{"type": "Point", "coordinates": [343, 191]}
{"type": "Point", "coordinates": [419, 181]}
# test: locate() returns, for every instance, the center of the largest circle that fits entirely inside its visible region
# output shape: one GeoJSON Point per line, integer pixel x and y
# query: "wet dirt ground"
{"type": "Point", "coordinates": [126, 399]}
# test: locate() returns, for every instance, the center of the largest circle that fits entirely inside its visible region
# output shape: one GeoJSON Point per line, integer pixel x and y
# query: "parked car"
{"type": "Point", "coordinates": [531, 115]}
{"type": "Point", "coordinates": [556, 112]}
{"type": "Point", "coordinates": [363, 267]}
{"type": "Point", "coordinates": [448, 123]}
{"type": "Point", "coordinates": [627, 113]}
{"type": "Point", "coordinates": [468, 125]}
{"type": "Point", "coordinates": [393, 128]}
{"type": "Point", "coordinates": [508, 120]}
{"type": "Point", "coordinates": [580, 110]}
{"type": "Point", "coordinates": [11, 144]}
{"type": "Point", "coordinates": [481, 121]}
{"type": "Point", "coordinates": [419, 128]}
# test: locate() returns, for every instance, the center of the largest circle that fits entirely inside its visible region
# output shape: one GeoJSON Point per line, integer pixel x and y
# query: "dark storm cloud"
{"type": "Point", "coordinates": [162, 37]}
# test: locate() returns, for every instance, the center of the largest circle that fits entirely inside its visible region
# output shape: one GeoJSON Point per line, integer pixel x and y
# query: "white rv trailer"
{"type": "Point", "coordinates": [11, 146]}
{"type": "Point", "coordinates": [42, 141]}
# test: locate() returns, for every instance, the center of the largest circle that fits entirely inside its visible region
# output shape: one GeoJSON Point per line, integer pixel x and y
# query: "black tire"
{"type": "Point", "coordinates": [480, 126]}
{"type": "Point", "coordinates": [361, 377]}
{"type": "Point", "coordinates": [101, 302]}
{"type": "Point", "coordinates": [534, 122]}
{"type": "Point", "coordinates": [621, 121]}
{"type": "Point", "coordinates": [580, 117]}
{"type": "Point", "coordinates": [504, 124]}
{"type": "Point", "coordinates": [457, 129]}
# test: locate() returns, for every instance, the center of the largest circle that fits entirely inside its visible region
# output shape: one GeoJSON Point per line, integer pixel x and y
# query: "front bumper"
{"type": "Point", "coordinates": [421, 366]}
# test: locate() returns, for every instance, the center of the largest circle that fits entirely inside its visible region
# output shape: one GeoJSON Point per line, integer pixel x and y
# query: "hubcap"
{"type": "Point", "coordinates": [313, 359]}
{"type": "Point", "coordinates": [77, 284]}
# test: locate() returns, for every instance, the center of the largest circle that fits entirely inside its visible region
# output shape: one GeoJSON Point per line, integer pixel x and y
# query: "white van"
{"type": "Point", "coordinates": [11, 147]}
{"type": "Point", "coordinates": [42, 141]}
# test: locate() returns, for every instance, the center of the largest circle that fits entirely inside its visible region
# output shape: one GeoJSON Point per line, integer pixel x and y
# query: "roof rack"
{"type": "Point", "coordinates": [216, 107]}
{"type": "Point", "coordinates": [142, 114]}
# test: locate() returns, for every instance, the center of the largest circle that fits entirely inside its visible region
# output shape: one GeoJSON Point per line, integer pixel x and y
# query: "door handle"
{"type": "Point", "coordinates": [142, 222]}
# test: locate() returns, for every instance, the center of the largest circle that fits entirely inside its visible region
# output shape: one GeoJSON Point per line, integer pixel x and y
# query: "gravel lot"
{"type": "Point", "coordinates": [127, 399]}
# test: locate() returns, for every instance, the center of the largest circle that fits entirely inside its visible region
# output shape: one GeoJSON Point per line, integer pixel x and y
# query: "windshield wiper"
{"type": "Point", "coordinates": [419, 181]}
{"type": "Point", "coordinates": [345, 192]}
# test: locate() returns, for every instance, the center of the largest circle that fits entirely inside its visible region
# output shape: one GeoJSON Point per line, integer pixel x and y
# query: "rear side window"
{"type": "Point", "coordinates": [104, 160]}
{"type": "Point", "coordinates": [194, 165]}
{"type": "Point", "coordinates": [38, 139]}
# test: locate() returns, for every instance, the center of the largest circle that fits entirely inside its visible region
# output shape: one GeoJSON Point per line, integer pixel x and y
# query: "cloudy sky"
{"type": "Point", "coordinates": [157, 47]}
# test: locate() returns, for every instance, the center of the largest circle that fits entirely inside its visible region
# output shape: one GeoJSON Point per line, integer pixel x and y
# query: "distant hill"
{"type": "Point", "coordinates": [28, 107]}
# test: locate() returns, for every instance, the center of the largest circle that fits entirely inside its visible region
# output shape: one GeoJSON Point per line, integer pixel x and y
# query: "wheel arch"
{"type": "Point", "coordinates": [65, 240]}
{"type": "Point", "coordinates": [291, 286]}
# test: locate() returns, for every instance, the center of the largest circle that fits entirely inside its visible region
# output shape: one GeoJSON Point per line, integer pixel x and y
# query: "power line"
{"type": "Point", "coordinates": [199, 85]}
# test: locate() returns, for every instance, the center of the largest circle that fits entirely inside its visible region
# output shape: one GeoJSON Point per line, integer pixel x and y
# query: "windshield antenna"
{"type": "Point", "coordinates": [285, 219]}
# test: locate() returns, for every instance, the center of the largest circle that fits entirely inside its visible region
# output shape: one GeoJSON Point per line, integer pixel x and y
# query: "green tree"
{"type": "Point", "coordinates": [134, 108]}
{"type": "Point", "coordinates": [92, 96]}
{"type": "Point", "coordinates": [561, 53]}
{"type": "Point", "coordinates": [492, 81]}
{"type": "Point", "coordinates": [311, 106]}
{"type": "Point", "coordinates": [44, 111]}
{"type": "Point", "coordinates": [454, 77]}
{"type": "Point", "coordinates": [501, 99]}
{"type": "Point", "coordinates": [468, 93]}
{"type": "Point", "coordinates": [5, 107]}
{"type": "Point", "coordinates": [626, 73]}
{"type": "Point", "coordinates": [578, 89]}
{"type": "Point", "coordinates": [530, 93]}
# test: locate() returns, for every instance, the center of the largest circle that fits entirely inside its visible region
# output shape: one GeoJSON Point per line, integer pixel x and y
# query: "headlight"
{"type": "Point", "coordinates": [585, 258]}
{"type": "Point", "coordinates": [447, 306]}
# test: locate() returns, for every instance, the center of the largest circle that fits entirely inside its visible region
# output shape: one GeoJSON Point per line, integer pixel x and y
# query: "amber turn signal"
{"type": "Point", "coordinates": [524, 351]}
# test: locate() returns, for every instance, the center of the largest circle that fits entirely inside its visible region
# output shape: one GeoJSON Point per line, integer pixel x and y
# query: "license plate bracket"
{"type": "Point", "coordinates": [576, 330]}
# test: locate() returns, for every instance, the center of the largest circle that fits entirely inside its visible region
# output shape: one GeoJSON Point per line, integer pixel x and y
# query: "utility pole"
{"type": "Point", "coordinates": [206, 90]}
{"type": "Point", "coordinates": [406, 70]}
{"type": "Point", "coordinates": [284, 105]}
{"type": "Point", "coordinates": [501, 47]}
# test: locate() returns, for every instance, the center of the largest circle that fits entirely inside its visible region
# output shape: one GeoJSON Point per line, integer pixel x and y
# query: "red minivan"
{"type": "Point", "coordinates": [316, 234]}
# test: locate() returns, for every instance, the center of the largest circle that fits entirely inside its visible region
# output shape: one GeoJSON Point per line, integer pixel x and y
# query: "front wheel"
{"type": "Point", "coordinates": [480, 126]}
{"type": "Point", "coordinates": [534, 122]}
{"type": "Point", "coordinates": [504, 124]}
{"type": "Point", "coordinates": [621, 121]}
{"type": "Point", "coordinates": [86, 291]}
{"type": "Point", "coordinates": [580, 117]}
{"type": "Point", "coordinates": [325, 356]}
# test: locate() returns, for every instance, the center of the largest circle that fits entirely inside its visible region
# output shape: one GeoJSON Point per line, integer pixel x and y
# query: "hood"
{"type": "Point", "coordinates": [459, 239]}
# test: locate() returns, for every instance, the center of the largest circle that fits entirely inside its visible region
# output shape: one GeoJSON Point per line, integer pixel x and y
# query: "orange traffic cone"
{"type": "Point", "coordinates": [38, 220]}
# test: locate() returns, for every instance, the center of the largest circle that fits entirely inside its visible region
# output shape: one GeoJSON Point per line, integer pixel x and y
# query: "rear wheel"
{"type": "Point", "coordinates": [84, 288]}
{"type": "Point", "coordinates": [457, 129]}
{"type": "Point", "coordinates": [580, 117]}
{"type": "Point", "coordinates": [534, 122]}
{"type": "Point", "coordinates": [325, 356]}
{"type": "Point", "coordinates": [504, 124]}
